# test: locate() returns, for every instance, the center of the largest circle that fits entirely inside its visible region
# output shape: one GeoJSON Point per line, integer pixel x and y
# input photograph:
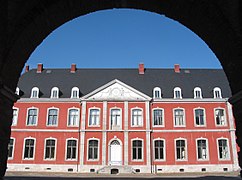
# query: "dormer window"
{"type": "Point", "coordinates": [156, 93]}
{"type": "Point", "coordinates": [177, 93]}
{"type": "Point", "coordinates": [75, 92]}
{"type": "Point", "coordinates": [217, 92]}
{"type": "Point", "coordinates": [35, 92]}
{"type": "Point", "coordinates": [55, 92]}
{"type": "Point", "coordinates": [197, 92]}
{"type": "Point", "coordinates": [17, 90]}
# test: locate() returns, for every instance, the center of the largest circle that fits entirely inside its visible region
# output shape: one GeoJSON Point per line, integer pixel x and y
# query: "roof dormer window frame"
{"type": "Point", "coordinates": [17, 90]}
{"type": "Point", "coordinates": [177, 93]}
{"type": "Point", "coordinates": [197, 93]}
{"type": "Point", "coordinates": [217, 93]}
{"type": "Point", "coordinates": [35, 92]}
{"type": "Point", "coordinates": [157, 93]}
{"type": "Point", "coordinates": [54, 92]}
{"type": "Point", "coordinates": [75, 92]}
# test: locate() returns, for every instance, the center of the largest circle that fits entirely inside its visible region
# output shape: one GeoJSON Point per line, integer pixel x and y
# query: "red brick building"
{"type": "Point", "coordinates": [123, 120]}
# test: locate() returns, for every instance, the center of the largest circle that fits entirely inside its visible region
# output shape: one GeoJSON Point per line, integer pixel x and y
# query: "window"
{"type": "Point", "coordinates": [32, 117]}
{"type": "Point", "coordinates": [180, 149]}
{"type": "Point", "coordinates": [73, 118]}
{"type": "Point", "coordinates": [217, 92]}
{"type": "Point", "coordinates": [29, 148]}
{"type": "Point", "coordinates": [11, 148]}
{"type": "Point", "coordinates": [156, 93]}
{"type": "Point", "coordinates": [223, 149]}
{"type": "Point", "coordinates": [177, 93]}
{"type": "Point", "coordinates": [71, 149]}
{"type": "Point", "coordinates": [17, 90]}
{"type": "Point", "coordinates": [200, 117]}
{"type": "Point", "coordinates": [35, 92]}
{"type": "Point", "coordinates": [15, 117]}
{"type": "Point", "coordinates": [93, 150]}
{"type": "Point", "coordinates": [159, 148]}
{"type": "Point", "coordinates": [52, 117]}
{"type": "Point", "coordinates": [158, 117]}
{"type": "Point", "coordinates": [137, 117]}
{"type": "Point", "coordinates": [115, 118]}
{"type": "Point", "coordinates": [75, 92]}
{"type": "Point", "coordinates": [197, 92]}
{"type": "Point", "coordinates": [137, 150]}
{"type": "Point", "coordinates": [50, 149]}
{"type": "Point", "coordinates": [94, 117]}
{"type": "Point", "coordinates": [220, 117]}
{"type": "Point", "coordinates": [179, 117]}
{"type": "Point", "coordinates": [55, 92]}
{"type": "Point", "coordinates": [202, 149]}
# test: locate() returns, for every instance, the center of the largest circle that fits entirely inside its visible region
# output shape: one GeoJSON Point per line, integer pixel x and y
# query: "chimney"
{"type": "Point", "coordinates": [73, 68]}
{"type": "Point", "coordinates": [141, 68]}
{"type": "Point", "coordinates": [39, 68]}
{"type": "Point", "coordinates": [27, 68]}
{"type": "Point", "coordinates": [177, 68]}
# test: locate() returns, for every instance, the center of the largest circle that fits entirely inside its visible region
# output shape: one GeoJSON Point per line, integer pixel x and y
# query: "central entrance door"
{"type": "Point", "coordinates": [115, 153]}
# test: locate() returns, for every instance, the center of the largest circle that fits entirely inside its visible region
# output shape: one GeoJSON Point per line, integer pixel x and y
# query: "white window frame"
{"type": "Point", "coordinates": [37, 116]}
{"type": "Point", "coordinates": [52, 92]}
{"type": "Point", "coordinates": [132, 158]}
{"type": "Point", "coordinates": [48, 159]}
{"type": "Point", "coordinates": [199, 90]}
{"type": "Point", "coordinates": [164, 149]}
{"type": "Point", "coordinates": [17, 111]}
{"type": "Point", "coordinates": [76, 149]}
{"type": "Point", "coordinates": [10, 158]}
{"type": "Point", "coordinates": [34, 89]}
{"type": "Point", "coordinates": [17, 90]}
{"type": "Point", "coordinates": [98, 150]}
{"type": "Point", "coordinates": [142, 117]}
{"type": "Point", "coordinates": [186, 150]}
{"type": "Point", "coordinates": [110, 117]}
{"type": "Point", "coordinates": [47, 116]}
{"type": "Point", "coordinates": [194, 114]}
{"type": "Point", "coordinates": [177, 89]}
{"type": "Point", "coordinates": [89, 113]}
{"type": "Point", "coordinates": [207, 149]}
{"type": "Point", "coordinates": [229, 157]}
{"type": "Point", "coordinates": [184, 117]}
{"type": "Point", "coordinates": [163, 117]}
{"type": "Point", "coordinates": [225, 119]}
{"type": "Point", "coordinates": [157, 89]}
{"type": "Point", "coordinates": [68, 115]}
{"type": "Point", "coordinates": [217, 89]}
{"type": "Point", "coordinates": [32, 138]}
{"type": "Point", "coordinates": [73, 90]}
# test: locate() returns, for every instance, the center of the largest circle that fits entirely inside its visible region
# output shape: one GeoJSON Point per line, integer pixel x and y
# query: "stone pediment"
{"type": "Point", "coordinates": [118, 91]}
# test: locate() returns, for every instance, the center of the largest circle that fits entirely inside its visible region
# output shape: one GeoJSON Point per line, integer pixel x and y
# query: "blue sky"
{"type": "Point", "coordinates": [122, 38]}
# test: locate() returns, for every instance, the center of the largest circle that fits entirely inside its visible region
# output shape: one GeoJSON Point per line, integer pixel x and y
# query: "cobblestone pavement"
{"type": "Point", "coordinates": [76, 176]}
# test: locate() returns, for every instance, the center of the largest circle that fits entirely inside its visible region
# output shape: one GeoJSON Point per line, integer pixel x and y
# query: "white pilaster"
{"type": "Point", "coordinates": [148, 143]}
{"type": "Point", "coordinates": [126, 135]}
{"type": "Point", "coordinates": [233, 137]}
{"type": "Point", "coordinates": [82, 134]}
{"type": "Point", "coordinates": [104, 134]}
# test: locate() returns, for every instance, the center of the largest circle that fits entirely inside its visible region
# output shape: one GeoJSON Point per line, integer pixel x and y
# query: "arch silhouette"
{"type": "Point", "coordinates": [25, 24]}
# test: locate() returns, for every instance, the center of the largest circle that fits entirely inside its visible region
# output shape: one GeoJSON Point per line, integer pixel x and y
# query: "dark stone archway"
{"type": "Point", "coordinates": [24, 24]}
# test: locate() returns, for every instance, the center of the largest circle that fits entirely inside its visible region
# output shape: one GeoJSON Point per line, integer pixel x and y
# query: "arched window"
{"type": "Point", "coordinates": [35, 92]}
{"type": "Point", "coordinates": [54, 92]}
{"type": "Point", "coordinates": [197, 92]}
{"type": "Point", "coordinates": [181, 149]}
{"type": "Point", "coordinates": [50, 148]}
{"type": "Point", "coordinates": [156, 93]}
{"type": "Point", "coordinates": [202, 149]}
{"type": "Point", "coordinates": [71, 149]}
{"type": "Point", "coordinates": [137, 150]}
{"type": "Point", "coordinates": [93, 149]}
{"type": "Point", "coordinates": [159, 149]}
{"type": "Point", "coordinates": [29, 146]}
{"type": "Point", "coordinates": [137, 117]}
{"type": "Point", "coordinates": [75, 92]}
{"type": "Point", "coordinates": [73, 117]}
{"type": "Point", "coordinates": [177, 93]}
{"type": "Point", "coordinates": [217, 92]}
{"type": "Point", "coordinates": [223, 149]}
{"type": "Point", "coordinates": [199, 115]}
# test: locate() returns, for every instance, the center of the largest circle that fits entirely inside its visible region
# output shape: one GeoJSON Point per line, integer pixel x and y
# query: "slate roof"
{"type": "Point", "coordinates": [88, 80]}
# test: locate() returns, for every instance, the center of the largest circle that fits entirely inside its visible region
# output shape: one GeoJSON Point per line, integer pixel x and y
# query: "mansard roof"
{"type": "Point", "coordinates": [88, 80]}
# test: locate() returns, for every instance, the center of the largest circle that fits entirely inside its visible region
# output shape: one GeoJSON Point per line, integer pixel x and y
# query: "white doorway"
{"type": "Point", "coordinates": [115, 153]}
